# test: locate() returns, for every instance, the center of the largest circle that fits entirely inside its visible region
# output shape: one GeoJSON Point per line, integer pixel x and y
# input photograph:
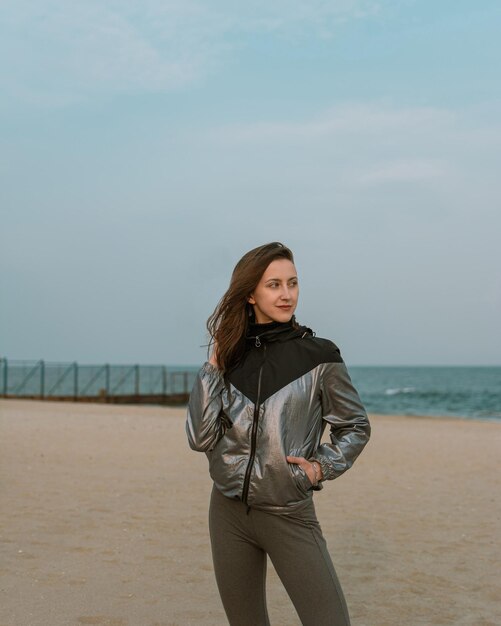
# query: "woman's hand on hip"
{"type": "Point", "coordinates": [308, 467]}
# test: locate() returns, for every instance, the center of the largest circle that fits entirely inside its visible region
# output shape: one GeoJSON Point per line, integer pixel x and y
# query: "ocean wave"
{"type": "Point", "coordinates": [398, 390]}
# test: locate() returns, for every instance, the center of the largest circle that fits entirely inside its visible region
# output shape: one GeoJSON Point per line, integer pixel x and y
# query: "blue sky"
{"type": "Point", "coordinates": [146, 146]}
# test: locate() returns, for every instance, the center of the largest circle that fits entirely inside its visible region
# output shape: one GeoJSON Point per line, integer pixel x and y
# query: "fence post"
{"type": "Point", "coordinates": [75, 380]}
{"type": "Point", "coordinates": [5, 376]}
{"type": "Point", "coordinates": [136, 377]}
{"type": "Point", "coordinates": [107, 378]}
{"type": "Point", "coordinates": [42, 378]}
{"type": "Point", "coordinates": [164, 380]}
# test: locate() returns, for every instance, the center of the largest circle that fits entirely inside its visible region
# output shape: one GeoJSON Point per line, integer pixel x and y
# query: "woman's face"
{"type": "Point", "coordinates": [275, 297]}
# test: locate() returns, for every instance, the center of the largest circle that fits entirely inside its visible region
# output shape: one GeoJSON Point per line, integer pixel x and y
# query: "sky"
{"type": "Point", "coordinates": [145, 146]}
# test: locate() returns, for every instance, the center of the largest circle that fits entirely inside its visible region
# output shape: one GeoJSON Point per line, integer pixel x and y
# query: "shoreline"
{"type": "Point", "coordinates": [182, 407]}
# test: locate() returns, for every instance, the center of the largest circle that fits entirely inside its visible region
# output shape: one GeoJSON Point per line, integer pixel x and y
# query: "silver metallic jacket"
{"type": "Point", "coordinates": [287, 389]}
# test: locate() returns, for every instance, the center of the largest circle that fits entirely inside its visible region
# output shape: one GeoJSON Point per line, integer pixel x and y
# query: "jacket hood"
{"type": "Point", "coordinates": [275, 331]}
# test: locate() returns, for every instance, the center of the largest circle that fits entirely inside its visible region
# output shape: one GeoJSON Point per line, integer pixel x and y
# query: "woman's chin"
{"type": "Point", "coordinates": [277, 315]}
{"type": "Point", "coordinates": [283, 316]}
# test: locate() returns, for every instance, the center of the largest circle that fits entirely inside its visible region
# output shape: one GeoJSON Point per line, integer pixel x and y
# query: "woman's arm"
{"type": "Point", "coordinates": [204, 426]}
{"type": "Point", "coordinates": [349, 425]}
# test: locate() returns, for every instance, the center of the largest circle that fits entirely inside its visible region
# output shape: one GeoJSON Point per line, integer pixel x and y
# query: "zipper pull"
{"type": "Point", "coordinates": [258, 342]}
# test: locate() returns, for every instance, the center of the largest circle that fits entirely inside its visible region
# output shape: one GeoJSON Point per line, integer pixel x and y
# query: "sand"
{"type": "Point", "coordinates": [104, 521]}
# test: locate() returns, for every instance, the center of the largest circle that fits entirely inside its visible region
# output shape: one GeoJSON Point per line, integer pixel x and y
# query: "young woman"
{"type": "Point", "coordinates": [258, 409]}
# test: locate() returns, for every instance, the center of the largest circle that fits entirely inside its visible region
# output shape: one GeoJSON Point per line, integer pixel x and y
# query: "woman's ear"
{"type": "Point", "coordinates": [251, 300]}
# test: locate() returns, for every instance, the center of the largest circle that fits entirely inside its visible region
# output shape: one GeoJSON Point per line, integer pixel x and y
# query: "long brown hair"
{"type": "Point", "coordinates": [228, 323]}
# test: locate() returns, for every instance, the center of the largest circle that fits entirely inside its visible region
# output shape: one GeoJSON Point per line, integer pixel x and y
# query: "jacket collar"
{"type": "Point", "coordinates": [274, 331]}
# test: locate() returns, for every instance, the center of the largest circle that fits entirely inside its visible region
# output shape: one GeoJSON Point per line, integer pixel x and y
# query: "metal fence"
{"type": "Point", "coordinates": [105, 383]}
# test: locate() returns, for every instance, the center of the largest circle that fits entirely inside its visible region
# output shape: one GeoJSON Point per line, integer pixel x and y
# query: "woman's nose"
{"type": "Point", "coordinates": [286, 294]}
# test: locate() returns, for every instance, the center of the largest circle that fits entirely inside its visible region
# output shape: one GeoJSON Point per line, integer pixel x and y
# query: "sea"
{"type": "Point", "coordinates": [461, 391]}
{"type": "Point", "coordinates": [470, 392]}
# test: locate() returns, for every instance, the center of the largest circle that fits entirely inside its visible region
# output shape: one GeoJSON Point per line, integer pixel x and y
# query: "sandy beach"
{"type": "Point", "coordinates": [104, 521]}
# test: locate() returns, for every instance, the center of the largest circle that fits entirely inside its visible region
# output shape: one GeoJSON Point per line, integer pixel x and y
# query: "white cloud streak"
{"type": "Point", "coordinates": [56, 51]}
{"type": "Point", "coordinates": [413, 170]}
{"type": "Point", "coordinates": [356, 144]}
{"type": "Point", "coordinates": [350, 118]}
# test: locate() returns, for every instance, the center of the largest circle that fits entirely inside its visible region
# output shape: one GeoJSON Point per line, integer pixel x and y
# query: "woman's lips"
{"type": "Point", "coordinates": [285, 306]}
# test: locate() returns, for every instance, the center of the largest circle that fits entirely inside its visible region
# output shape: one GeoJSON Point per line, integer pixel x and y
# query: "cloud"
{"type": "Point", "coordinates": [414, 170]}
{"type": "Point", "coordinates": [296, 18]}
{"type": "Point", "coordinates": [55, 52]}
{"type": "Point", "coordinates": [341, 154]}
{"type": "Point", "coordinates": [350, 118]}
{"type": "Point", "coordinates": [73, 49]}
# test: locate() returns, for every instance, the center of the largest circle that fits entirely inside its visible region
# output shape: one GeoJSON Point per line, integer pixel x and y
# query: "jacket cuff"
{"type": "Point", "coordinates": [319, 485]}
{"type": "Point", "coordinates": [328, 471]}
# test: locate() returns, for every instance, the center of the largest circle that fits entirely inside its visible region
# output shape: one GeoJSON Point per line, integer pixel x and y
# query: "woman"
{"type": "Point", "coordinates": [258, 409]}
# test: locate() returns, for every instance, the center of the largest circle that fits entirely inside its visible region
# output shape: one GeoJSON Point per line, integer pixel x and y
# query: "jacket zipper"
{"type": "Point", "coordinates": [255, 420]}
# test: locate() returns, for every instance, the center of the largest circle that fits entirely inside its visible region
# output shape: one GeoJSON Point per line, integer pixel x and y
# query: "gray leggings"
{"type": "Point", "coordinates": [240, 542]}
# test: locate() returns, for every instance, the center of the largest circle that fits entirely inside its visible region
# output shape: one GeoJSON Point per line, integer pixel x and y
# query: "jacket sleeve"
{"type": "Point", "coordinates": [343, 410]}
{"type": "Point", "coordinates": [204, 423]}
